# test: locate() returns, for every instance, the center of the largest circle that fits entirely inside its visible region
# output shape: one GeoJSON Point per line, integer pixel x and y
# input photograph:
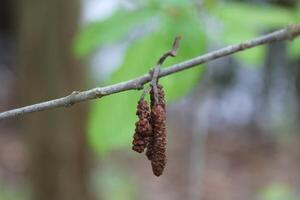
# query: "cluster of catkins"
{"type": "Point", "coordinates": [150, 130]}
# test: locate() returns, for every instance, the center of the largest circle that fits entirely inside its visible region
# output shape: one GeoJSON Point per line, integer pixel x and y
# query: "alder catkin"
{"type": "Point", "coordinates": [149, 151]}
{"type": "Point", "coordinates": [143, 128]}
{"type": "Point", "coordinates": [160, 96]}
{"type": "Point", "coordinates": [150, 130]}
{"type": "Point", "coordinates": [161, 101]}
{"type": "Point", "coordinates": [156, 151]}
{"type": "Point", "coordinates": [158, 157]}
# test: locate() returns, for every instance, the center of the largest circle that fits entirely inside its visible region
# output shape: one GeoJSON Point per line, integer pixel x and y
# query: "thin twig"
{"type": "Point", "coordinates": [171, 53]}
{"type": "Point", "coordinates": [288, 33]}
{"type": "Point", "coordinates": [161, 60]}
{"type": "Point", "coordinates": [145, 92]}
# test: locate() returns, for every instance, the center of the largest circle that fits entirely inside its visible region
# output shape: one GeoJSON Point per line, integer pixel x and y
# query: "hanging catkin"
{"type": "Point", "coordinates": [143, 128]}
{"type": "Point", "coordinates": [156, 151]}
{"type": "Point", "coordinates": [160, 96]}
{"type": "Point", "coordinates": [150, 130]}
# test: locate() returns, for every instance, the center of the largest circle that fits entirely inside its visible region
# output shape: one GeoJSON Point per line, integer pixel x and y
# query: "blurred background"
{"type": "Point", "coordinates": [233, 124]}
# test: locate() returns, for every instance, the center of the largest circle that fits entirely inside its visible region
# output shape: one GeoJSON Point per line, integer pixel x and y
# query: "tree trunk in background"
{"type": "Point", "coordinates": [55, 139]}
{"type": "Point", "coordinates": [7, 58]}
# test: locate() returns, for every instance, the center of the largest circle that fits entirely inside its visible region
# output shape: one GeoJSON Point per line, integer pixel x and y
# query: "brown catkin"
{"type": "Point", "coordinates": [158, 158]}
{"type": "Point", "coordinates": [150, 131]}
{"type": "Point", "coordinates": [143, 128]}
{"type": "Point", "coordinates": [149, 151]}
{"type": "Point", "coordinates": [161, 101]}
{"type": "Point", "coordinates": [160, 95]}
{"type": "Point", "coordinates": [156, 151]}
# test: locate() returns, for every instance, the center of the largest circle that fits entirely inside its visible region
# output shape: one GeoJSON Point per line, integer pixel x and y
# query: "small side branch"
{"type": "Point", "coordinates": [171, 53]}
{"type": "Point", "coordinates": [161, 60]}
{"type": "Point", "coordinates": [288, 33]}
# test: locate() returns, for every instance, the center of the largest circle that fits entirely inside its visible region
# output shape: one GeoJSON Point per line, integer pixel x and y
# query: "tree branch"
{"type": "Point", "coordinates": [288, 33]}
{"type": "Point", "coordinates": [161, 60]}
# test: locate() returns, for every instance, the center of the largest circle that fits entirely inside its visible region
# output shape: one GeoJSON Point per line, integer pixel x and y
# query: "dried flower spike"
{"type": "Point", "coordinates": [156, 151]}
{"type": "Point", "coordinates": [154, 139]}
{"type": "Point", "coordinates": [160, 97]}
{"type": "Point", "coordinates": [143, 128]}
{"type": "Point", "coordinates": [158, 158]}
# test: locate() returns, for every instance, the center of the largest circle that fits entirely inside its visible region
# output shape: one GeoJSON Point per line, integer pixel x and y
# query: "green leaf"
{"type": "Point", "coordinates": [112, 122]}
{"type": "Point", "coordinates": [112, 119]}
{"type": "Point", "coordinates": [251, 16]}
{"type": "Point", "coordinates": [110, 30]}
{"type": "Point", "coordinates": [243, 21]}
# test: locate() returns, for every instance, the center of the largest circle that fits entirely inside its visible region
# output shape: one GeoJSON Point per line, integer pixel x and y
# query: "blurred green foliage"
{"type": "Point", "coordinates": [242, 21]}
{"type": "Point", "coordinates": [111, 30]}
{"type": "Point", "coordinates": [111, 122]}
{"type": "Point", "coordinates": [277, 191]}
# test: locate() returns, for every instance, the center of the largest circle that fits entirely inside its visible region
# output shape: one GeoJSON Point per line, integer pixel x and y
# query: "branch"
{"type": "Point", "coordinates": [171, 53]}
{"type": "Point", "coordinates": [288, 33]}
{"type": "Point", "coordinates": [161, 60]}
